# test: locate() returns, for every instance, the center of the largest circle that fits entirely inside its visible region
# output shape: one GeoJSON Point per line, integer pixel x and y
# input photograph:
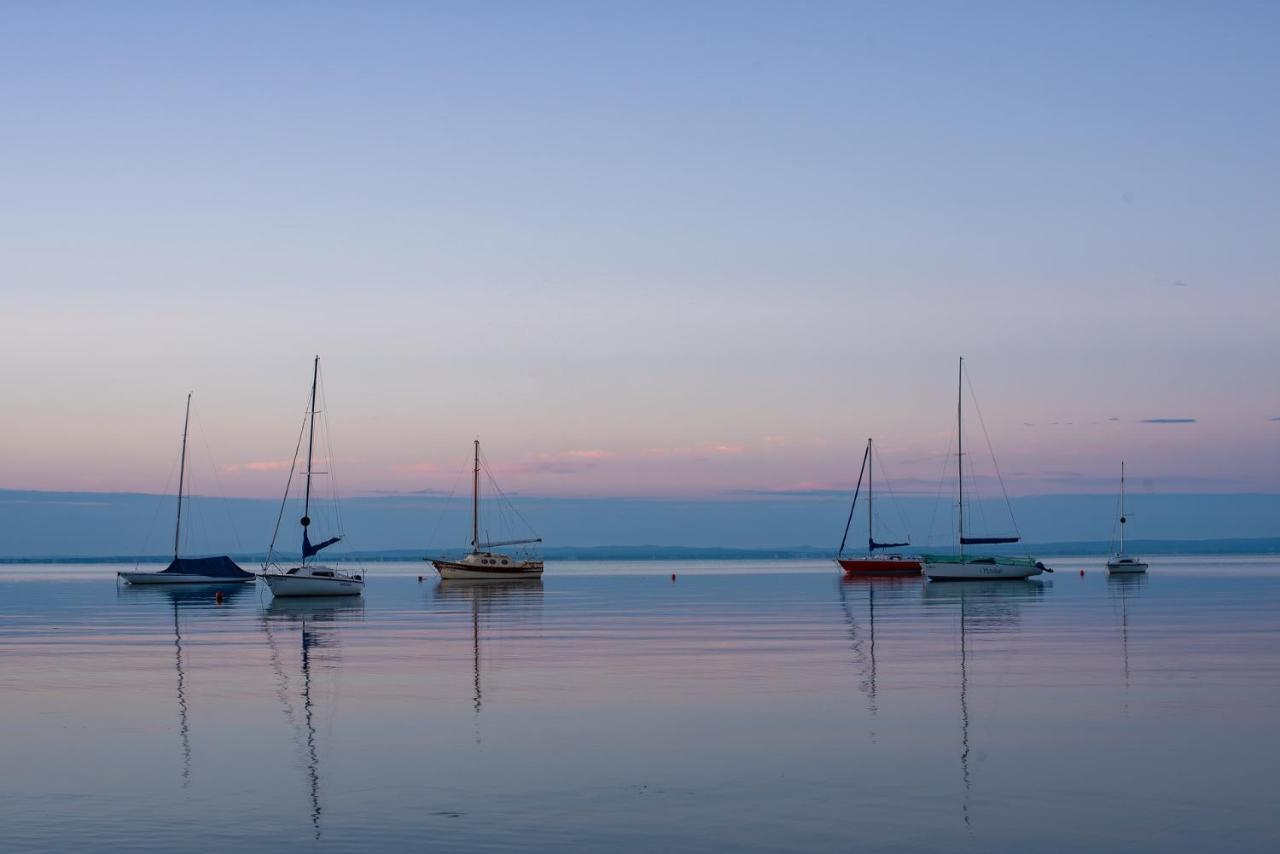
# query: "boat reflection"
{"type": "Point", "coordinates": [984, 607]}
{"type": "Point", "coordinates": [509, 601]}
{"type": "Point", "coordinates": [179, 598]}
{"type": "Point", "coordinates": [864, 649]}
{"type": "Point", "coordinates": [317, 620]}
{"type": "Point", "coordinates": [1122, 586]}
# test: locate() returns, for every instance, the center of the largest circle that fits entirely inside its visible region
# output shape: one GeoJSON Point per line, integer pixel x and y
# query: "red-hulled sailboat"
{"type": "Point", "coordinates": [872, 564]}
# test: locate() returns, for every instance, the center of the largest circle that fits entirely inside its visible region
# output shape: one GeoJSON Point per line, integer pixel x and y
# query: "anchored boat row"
{"type": "Point", "coordinates": [308, 578]}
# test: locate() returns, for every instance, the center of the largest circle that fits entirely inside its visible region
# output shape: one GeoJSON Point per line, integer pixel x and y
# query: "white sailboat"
{"type": "Point", "coordinates": [481, 562]}
{"type": "Point", "coordinates": [1121, 562]}
{"type": "Point", "coordinates": [967, 567]}
{"type": "Point", "coordinates": [189, 570]}
{"type": "Point", "coordinates": [308, 579]}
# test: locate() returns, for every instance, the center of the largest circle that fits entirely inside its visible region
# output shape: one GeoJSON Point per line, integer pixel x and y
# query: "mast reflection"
{"type": "Point", "coordinates": [993, 607]}
{"type": "Point", "coordinates": [884, 588]}
{"type": "Point", "coordinates": [509, 601]}
{"type": "Point", "coordinates": [1123, 586]}
{"type": "Point", "coordinates": [179, 598]}
{"type": "Point", "coordinates": [319, 647]}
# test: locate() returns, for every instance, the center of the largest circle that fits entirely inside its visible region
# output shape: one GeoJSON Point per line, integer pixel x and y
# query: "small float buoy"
{"type": "Point", "coordinates": [1082, 572]}
{"type": "Point", "coordinates": [673, 576]}
{"type": "Point", "coordinates": [419, 579]}
{"type": "Point", "coordinates": [217, 597]}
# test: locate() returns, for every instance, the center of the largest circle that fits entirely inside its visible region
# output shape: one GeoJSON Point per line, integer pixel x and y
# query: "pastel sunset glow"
{"type": "Point", "coordinates": [639, 259]}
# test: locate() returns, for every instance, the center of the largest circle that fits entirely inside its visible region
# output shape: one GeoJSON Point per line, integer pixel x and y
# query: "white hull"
{"type": "Point", "coordinates": [1122, 566]}
{"type": "Point", "coordinates": [176, 578]}
{"type": "Point", "coordinates": [979, 571]}
{"type": "Point", "coordinates": [311, 585]}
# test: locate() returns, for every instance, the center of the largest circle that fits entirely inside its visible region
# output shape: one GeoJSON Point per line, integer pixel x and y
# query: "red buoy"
{"type": "Point", "coordinates": [673, 576]}
{"type": "Point", "coordinates": [1082, 572]}
{"type": "Point", "coordinates": [217, 597]}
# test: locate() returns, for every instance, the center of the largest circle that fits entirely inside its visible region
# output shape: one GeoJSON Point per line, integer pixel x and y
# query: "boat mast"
{"type": "Point", "coordinates": [870, 535]}
{"type": "Point", "coordinates": [182, 470]}
{"type": "Point", "coordinates": [1122, 520]}
{"type": "Point", "coordinates": [475, 501]}
{"type": "Point", "coordinates": [960, 449]}
{"type": "Point", "coordinates": [311, 441]}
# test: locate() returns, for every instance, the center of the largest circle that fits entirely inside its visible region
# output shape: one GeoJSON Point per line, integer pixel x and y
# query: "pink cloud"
{"type": "Point", "coordinates": [262, 465]}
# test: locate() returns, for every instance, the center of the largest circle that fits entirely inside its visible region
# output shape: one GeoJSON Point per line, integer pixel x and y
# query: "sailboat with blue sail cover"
{"type": "Point", "coordinates": [968, 567]}
{"type": "Point", "coordinates": [189, 570]}
{"type": "Point", "coordinates": [308, 579]}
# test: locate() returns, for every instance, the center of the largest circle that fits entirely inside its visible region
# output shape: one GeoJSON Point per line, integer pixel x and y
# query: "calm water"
{"type": "Point", "coordinates": [756, 707]}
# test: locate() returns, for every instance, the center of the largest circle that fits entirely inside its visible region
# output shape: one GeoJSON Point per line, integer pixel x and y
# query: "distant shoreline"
{"type": "Point", "coordinates": [1255, 546]}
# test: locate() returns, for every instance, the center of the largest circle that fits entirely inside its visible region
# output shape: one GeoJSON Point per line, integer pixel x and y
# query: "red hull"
{"type": "Point", "coordinates": [880, 566]}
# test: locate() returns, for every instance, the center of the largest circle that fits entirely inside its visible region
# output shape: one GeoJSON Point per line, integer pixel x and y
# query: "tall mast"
{"type": "Point", "coordinates": [960, 447]}
{"type": "Point", "coordinates": [1122, 520]}
{"type": "Point", "coordinates": [182, 470]}
{"type": "Point", "coordinates": [311, 442]}
{"type": "Point", "coordinates": [475, 501]}
{"type": "Point", "coordinates": [870, 533]}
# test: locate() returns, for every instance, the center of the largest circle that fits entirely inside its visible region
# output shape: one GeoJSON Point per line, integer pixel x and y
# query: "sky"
{"type": "Point", "coordinates": [653, 250]}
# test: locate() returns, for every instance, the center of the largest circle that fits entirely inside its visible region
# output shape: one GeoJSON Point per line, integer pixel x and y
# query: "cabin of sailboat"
{"type": "Point", "coordinates": [188, 570]}
{"type": "Point", "coordinates": [889, 563]}
{"type": "Point", "coordinates": [308, 579]}
{"type": "Point", "coordinates": [482, 562]}
{"type": "Point", "coordinates": [966, 567]}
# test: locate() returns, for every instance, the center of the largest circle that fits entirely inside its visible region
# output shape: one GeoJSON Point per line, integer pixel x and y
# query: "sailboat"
{"type": "Point", "coordinates": [481, 562]}
{"type": "Point", "coordinates": [965, 567]}
{"type": "Point", "coordinates": [872, 564]}
{"type": "Point", "coordinates": [1121, 562]}
{"type": "Point", "coordinates": [309, 579]}
{"type": "Point", "coordinates": [189, 570]}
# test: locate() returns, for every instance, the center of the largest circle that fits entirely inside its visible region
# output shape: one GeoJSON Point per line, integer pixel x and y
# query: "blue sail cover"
{"type": "Point", "coordinates": [214, 567]}
{"type": "Point", "coordinates": [872, 545]}
{"type": "Point", "coordinates": [987, 541]}
{"type": "Point", "coordinates": [309, 550]}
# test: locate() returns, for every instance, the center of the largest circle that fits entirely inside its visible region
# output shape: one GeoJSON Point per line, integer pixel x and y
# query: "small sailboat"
{"type": "Point", "coordinates": [481, 562]}
{"type": "Point", "coordinates": [308, 579]}
{"type": "Point", "coordinates": [871, 563]}
{"type": "Point", "coordinates": [189, 570]}
{"type": "Point", "coordinates": [966, 567]}
{"type": "Point", "coordinates": [1121, 562]}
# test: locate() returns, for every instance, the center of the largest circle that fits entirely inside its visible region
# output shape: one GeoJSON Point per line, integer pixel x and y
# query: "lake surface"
{"type": "Point", "coordinates": [750, 707]}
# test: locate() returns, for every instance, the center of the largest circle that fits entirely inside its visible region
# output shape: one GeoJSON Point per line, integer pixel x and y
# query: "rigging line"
{"type": "Point", "coordinates": [484, 463]}
{"type": "Point", "coordinates": [853, 504]}
{"type": "Point", "coordinates": [217, 481]}
{"type": "Point", "coordinates": [885, 481]}
{"type": "Point", "coordinates": [333, 473]}
{"type": "Point", "coordinates": [937, 495]}
{"type": "Point", "coordinates": [287, 487]}
{"type": "Point", "coordinates": [155, 514]}
{"type": "Point", "coordinates": [1008, 505]}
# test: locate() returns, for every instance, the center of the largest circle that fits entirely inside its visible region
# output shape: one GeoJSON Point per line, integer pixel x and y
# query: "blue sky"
{"type": "Point", "coordinates": [643, 249]}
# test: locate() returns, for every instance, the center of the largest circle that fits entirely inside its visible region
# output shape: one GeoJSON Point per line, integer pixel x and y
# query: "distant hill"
{"type": "Point", "coordinates": [37, 524]}
{"type": "Point", "coordinates": [1266, 545]}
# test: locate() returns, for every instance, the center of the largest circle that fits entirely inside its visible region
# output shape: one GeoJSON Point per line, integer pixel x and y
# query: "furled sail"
{"type": "Point", "coordinates": [872, 545]}
{"type": "Point", "coordinates": [309, 550]}
{"type": "Point", "coordinates": [987, 541]}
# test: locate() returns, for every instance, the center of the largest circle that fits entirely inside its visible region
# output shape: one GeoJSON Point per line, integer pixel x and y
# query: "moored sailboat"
{"type": "Point", "coordinates": [965, 567]}
{"type": "Point", "coordinates": [308, 579]}
{"type": "Point", "coordinates": [481, 562]}
{"type": "Point", "coordinates": [1121, 562]}
{"type": "Point", "coordinates": [871, 563]}
{"type": "Point", "coordinates": [189, 570]}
